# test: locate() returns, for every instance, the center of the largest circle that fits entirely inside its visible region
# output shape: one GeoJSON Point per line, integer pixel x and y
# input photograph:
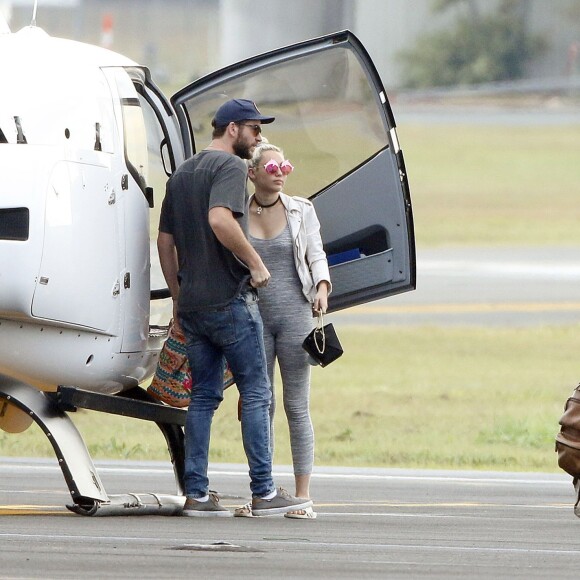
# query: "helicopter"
{"type": "Point", "coordinates": [87, 142]}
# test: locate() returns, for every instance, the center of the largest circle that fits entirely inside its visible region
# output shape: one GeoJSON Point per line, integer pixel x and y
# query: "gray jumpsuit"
{"type": "Point", "coordinates": [287, 317]}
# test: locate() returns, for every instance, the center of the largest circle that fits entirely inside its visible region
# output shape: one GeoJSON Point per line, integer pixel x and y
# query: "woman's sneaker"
{"type": "Point", "coordinates": [281, 503]}
{"type": "Point", "coordinates": [205, 509]}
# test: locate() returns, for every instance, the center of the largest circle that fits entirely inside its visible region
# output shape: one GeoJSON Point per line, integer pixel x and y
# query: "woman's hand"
{"type": "Point", "coordinates": [320, 304]}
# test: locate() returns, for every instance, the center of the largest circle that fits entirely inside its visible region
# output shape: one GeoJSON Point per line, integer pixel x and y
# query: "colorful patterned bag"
{"type": "Point", "coordinates": [171, 383]}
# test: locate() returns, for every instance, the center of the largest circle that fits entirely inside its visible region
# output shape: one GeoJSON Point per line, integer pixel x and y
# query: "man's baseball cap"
{"type": "Point", "coordinates": [237, 110]}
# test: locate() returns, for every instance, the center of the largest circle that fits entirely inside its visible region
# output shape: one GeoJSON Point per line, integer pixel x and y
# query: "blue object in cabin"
{"type": "Point", "coordinates": [341, 257]}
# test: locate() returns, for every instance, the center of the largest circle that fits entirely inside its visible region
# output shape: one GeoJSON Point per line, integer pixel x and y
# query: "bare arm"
{"type": "Point", "coordinates": [230, 234]}
{"type": "Point", "coordinates": [169, 266]}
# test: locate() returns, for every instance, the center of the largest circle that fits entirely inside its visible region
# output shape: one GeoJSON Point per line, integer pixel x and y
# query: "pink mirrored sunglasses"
{"type": "Point", "coordinates": [285, 167]}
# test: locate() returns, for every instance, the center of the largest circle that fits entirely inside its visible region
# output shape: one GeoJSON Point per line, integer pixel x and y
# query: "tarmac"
{"type": "Point", "coordinates": [372, 523]}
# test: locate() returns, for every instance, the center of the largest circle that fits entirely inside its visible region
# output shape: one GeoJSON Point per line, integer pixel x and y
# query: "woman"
{"type": "Point", "coordinates": [285, 232]}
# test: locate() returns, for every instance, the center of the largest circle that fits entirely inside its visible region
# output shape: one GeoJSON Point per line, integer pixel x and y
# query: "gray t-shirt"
{"type": "Point", "coordinates": [209, 274]}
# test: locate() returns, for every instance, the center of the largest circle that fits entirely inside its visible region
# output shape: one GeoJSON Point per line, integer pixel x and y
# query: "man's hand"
{"type": "Point", "coordinates": [175, 319]}
{"type": "Point", "coordinates": [260, 276]}
{"type": "Point", "coordinates": [230, 234]}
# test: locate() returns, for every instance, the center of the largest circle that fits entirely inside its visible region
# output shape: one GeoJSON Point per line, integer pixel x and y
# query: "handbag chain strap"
{"type": "Point", "coordinates": [320, 330]}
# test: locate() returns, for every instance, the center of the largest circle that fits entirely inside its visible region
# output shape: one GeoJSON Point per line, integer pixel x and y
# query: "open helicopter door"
{"type": "Point", "coordinates": [334, 122]}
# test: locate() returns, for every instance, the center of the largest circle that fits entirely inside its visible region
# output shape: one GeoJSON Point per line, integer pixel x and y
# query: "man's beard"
{"type": "Point", "coordinates": [242, 149]}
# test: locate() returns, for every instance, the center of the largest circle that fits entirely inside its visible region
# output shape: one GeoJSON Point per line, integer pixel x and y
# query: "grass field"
{"type": "Point", "coordinates": [400, 397]}
{"type": "Point", "coordinates": [483, 398]}
{"type": "Point", "coordinates": [493, 185]}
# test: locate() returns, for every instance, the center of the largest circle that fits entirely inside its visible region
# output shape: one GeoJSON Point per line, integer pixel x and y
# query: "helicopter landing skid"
{"type": "Point", "coordinates": [49, 411]}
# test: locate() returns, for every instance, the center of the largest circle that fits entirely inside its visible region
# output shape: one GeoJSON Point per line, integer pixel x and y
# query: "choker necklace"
{"type": "Point", "coordinates": [261, 206]}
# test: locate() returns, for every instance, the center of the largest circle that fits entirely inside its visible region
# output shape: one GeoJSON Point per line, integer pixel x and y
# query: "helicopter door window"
{"type": "Point", "coordinates": [157, 177]}
{"type": "Point", "coordinates": [135, 141]}
{"type": "Point", "coordinates": [329, 121]}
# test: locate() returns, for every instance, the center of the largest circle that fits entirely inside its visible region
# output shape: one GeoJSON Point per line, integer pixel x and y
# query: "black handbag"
{"type": "Point", "coordinates": [322, 343]}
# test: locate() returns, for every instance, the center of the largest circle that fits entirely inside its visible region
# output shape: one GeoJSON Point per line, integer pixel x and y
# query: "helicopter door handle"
{"type": "Point", "coordinates": [150, 197]}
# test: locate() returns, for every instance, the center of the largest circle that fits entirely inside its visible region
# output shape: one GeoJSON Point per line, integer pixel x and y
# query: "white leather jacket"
{"type": "Point", "coordinates": [309, 257]}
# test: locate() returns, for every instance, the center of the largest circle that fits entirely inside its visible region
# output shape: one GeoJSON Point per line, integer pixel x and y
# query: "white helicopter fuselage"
{"type": "Point", "coordinates": [74, 220]}
{"type": "Point", "coordinates": [86, 139]}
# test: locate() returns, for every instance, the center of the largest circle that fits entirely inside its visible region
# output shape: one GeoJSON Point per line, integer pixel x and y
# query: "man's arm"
{"type": "Point", "coordinates": [169, 266]}
{"type": "Point", "coordinates": [230, 234]}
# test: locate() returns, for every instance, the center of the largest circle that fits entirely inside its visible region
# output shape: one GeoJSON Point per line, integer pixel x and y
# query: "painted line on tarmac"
{"type": "Point", "coordinates": [237, 471]}
{"type": "Point", "coordinates": [437, 504]}
{"type": "Point", "coordinates": [463, 308]}
{"type": "Point", "coordinates": [379, 477]}
{"type": "Point", "coordinates": [32, 510]}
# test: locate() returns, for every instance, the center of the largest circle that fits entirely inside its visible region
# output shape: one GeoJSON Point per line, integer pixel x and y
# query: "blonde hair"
{"type": "Point", "coordinates": [259, 153]}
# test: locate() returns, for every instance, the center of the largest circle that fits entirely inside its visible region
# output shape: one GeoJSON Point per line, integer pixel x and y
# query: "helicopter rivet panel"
{"type": "Point", "coordinates": [69, 356]}
{"type": "Point", "coordinates": [21, 198]}
{"type": "Point", "coordinates": [80, 254]}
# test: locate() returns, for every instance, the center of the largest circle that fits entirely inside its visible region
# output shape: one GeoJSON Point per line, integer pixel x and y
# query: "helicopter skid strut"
{"type": "Point", "coordinates": [50, 412]}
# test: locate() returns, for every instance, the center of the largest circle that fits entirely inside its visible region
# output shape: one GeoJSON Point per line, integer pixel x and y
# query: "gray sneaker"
{"type": "Point", "coordinates": [205, 509]}
{"type": "Point", "coordinates": [281, 503]}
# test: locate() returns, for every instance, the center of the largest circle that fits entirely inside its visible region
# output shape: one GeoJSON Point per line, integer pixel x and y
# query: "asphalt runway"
{"type": "Point", "coordinates": [483, 286]}
{"type": "Point", "coordinates": [372, 523]}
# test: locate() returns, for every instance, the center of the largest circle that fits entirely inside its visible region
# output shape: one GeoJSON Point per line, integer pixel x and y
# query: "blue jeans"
{"type": "Point", "coordinates": [236, 333]}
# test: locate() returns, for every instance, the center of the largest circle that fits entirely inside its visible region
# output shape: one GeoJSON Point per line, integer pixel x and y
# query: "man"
{"type": "Point", "coordinates": [212, 272]}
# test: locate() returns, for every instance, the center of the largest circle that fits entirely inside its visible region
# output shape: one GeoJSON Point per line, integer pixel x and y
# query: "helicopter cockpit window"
{"type": "Point", "coordinates": [135, 141]}
{"type": "Point", "coordinates": [157, 177]}
{"type": "Point", "coordinates": [134, 129]}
